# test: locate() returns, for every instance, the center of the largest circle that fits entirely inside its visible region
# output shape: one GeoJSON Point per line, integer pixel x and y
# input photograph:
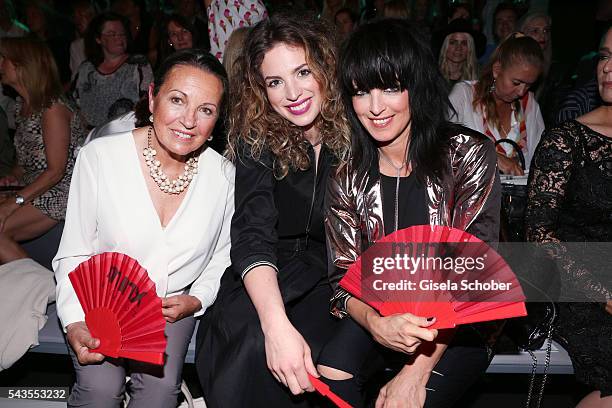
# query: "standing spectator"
{"type": "Point", "coordinates": [82, 14]}
{"type": "Point", "coordinates": [48, 130]}
{"type": "Point", "coordinates": [111, 81]}
{"type": "Point", "coordinates": [226, 15]}
{"type": "Point", "coordinates": [500, 105]}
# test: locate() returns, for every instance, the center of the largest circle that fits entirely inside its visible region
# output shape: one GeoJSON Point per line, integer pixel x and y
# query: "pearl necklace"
{"type": "Point", "coordinates": [157, 174]}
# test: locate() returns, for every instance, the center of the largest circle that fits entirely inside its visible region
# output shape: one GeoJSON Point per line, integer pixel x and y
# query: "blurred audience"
{"type": "Point", "coordinates": [48, 131]}
{"type": "Point", "coordinates": [177, 33]}
{"type": "Point", "coordinates": [139, 24]}
{"type": "Point", "coordinates": [396, 9]}
{"type": "Point", "coordinates": [503, 24]}
{"type": "Point", "coordinates": [82, 14]}
{"type": "Point", "coordinates": [111, 81]}
{"type": "Point", "coordinates": [224, 16]}
{"type": "Point", "coordinates": [500, 105]}
{"type": "Point", "coordinates": [459, 47]}
{"type": "Point", "coordinates": [45, 24]}
{"type": "Point", "coordinates": [9, 25]}
{"type": "Point", "coordinates": [345, 21]}
{"type": "Point", "coordinates": [459, 10]}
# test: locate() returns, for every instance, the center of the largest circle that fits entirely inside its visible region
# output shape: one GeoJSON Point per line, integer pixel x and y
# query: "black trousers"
{"type": "Point", "coordinates": [353, 350]}
{"type": "Point", "coordinates": [230, 353]}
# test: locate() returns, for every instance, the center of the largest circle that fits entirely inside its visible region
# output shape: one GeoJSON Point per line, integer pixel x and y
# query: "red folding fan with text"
{"type": "Point", "coordinates": [121, 307]}
{"type": "Point", "coordinates": [436, 271]}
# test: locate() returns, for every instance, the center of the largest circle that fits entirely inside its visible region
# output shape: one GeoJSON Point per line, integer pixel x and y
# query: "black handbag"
{"type": "Point", "coordinates": [531, 332]}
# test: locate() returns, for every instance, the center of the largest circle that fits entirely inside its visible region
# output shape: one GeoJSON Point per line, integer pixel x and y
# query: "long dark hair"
{"type": "Point", "coordinates": [192, 57]}
{"type": "Point", "coordinates": [386, 54]}
{"type": "Point", "coordinates": [165, 48]}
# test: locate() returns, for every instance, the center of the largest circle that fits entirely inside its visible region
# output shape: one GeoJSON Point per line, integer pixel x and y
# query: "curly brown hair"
{"type": "Point", "coordinates": [256, 126]}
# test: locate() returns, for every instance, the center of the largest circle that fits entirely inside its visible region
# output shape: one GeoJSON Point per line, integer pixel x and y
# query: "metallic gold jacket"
{"type": "Point", "coordinates": [468, 197]}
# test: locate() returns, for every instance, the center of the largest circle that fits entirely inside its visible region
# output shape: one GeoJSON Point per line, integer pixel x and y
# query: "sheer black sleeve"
{"type": "Point", "coordinates": [556, 158]}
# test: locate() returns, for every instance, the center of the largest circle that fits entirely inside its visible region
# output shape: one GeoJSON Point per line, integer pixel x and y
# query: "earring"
{"type": "Point", "coordinates": [210, 138]}
{"type": "Point", "coordinates": [492, 87]}
{"type": "Point", "coordinates": [151, 118]}
{"type": "Point", "coordinates": [171, 44]}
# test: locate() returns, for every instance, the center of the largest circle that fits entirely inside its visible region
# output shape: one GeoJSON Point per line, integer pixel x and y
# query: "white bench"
{"type": "Point", "coordinates": [52, 341]}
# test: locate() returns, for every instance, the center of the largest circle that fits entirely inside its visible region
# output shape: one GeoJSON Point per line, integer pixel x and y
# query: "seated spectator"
{"type": "Point", "coordinates": [182, 239]}
{"type": "Point", "coordinates": [459, 10]}
{"type": "Point", "coordinates": [396, 9]}
{"type": "Point", "coordinates": [459, 48]}
{"type": "Point", "coordinates": [569, 201]}
{"type": "Point", "coordinates": [504, 22]}
{"type": "Point", "coordinates": [191, 10]}
{"type": "Point", "coordinates": [579, 102]}
{"type": "Point", "coordinates": [177, 33]}
{"type": "Point", "coordinates": [9, 26]}
{"type": "Point", "coordinates": [48, 130]}
{"type": "Point", "coordinates": [82, 14]}
{"type": "Point", "coordinates": [111, 81]}
{"type": "Point", "coordinates": [7, 153]}
{"type": "Point", "coordinates": [345, 21]}
{"type": "Point", "coordinates": [44, 24]}
{"type": "Point", "coordinates": [500, 105]}
{"type": "Point", "coordinates": [139, 24]}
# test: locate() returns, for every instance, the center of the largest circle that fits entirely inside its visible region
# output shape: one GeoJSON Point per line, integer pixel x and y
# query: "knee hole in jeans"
{"type": "Point", "coordinates": [333, 373]}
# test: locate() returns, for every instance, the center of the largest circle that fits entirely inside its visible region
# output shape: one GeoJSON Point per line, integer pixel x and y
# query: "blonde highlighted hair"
{"type": "Point", "coordinates": [36, 70]}
{"type": "Point", "coordinates": [469, 69]}
{"type": "Point", "coordinates": [255, 126]}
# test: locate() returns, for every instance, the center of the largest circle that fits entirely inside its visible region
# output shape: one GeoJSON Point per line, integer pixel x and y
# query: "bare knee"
{"type": "Point", "coordinates": [333, 373]}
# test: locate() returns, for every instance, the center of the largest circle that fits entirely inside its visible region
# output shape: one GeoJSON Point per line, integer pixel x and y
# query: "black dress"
{"type": "Point", "coordinates": [277, 223]}
{"type": "Point", "coordinates": [570, 200]}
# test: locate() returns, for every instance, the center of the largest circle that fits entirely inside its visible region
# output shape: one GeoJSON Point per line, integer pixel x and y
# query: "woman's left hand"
{"type": "Point", "coordinates": [7, 208]}
{"type": "Point", "coordinates": [405, 390]}
{"type": "Point", "coordinates": [174, 308]}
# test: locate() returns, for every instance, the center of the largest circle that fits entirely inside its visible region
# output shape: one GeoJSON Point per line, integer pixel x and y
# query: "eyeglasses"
{"type": "Point", "coordinates": [113, 34]}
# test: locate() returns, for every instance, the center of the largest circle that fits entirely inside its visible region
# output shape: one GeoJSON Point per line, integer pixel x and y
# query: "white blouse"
{"type": "Point", "coordinates": [110, 209]}
{"type": "Point", "coordinates": [461, 98]}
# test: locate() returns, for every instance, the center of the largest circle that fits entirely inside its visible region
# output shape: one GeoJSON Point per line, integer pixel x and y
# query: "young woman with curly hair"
{"type": "Point", "coordinates": [287, 132]}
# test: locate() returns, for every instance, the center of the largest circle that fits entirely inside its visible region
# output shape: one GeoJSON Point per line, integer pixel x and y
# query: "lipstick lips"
{"type": "Point", "coordinates": [381, 122]}
{"type": "Point", "coordinates": [182, 135]}
{"type": "Point", "coordinates": [300, 107]}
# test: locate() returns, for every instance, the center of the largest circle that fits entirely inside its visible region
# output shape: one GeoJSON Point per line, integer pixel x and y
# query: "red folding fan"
{"type": "Point", "coordinates": [423, 270]}
{"type": "Point", "coordinates": [324, 390]}
{"type": "Point", "coordinates": [121, 307]}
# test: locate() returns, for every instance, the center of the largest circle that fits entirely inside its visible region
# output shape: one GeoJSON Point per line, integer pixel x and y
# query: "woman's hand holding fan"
{"type": "Point", "coordinates": [402, 332]}
{"type": "Point", "coordinates": [122, 310]}
{"type": "Point", "coordinates": [436, 271]}
{"type": "Point", "coordinates": [82, 343]}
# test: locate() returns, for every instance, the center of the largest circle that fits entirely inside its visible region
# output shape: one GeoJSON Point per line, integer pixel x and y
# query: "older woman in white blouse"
{"type": "Point", "coordinates": [179, 232]}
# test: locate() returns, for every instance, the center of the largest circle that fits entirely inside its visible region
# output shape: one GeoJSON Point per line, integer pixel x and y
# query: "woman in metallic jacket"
{"type": "Point", "coordinates": [409, 167]}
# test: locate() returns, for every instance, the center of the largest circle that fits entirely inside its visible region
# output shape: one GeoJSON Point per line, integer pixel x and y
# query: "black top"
{"type": "Point", "coordinates": [272, 214]}
{"type": "Point", "coordinates": [411, 209]}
